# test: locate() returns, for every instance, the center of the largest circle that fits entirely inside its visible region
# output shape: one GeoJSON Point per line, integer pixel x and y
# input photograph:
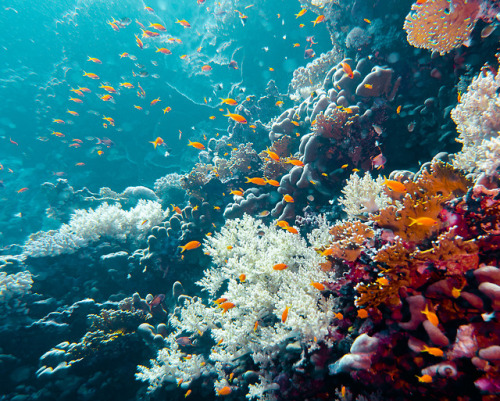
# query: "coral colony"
{"type": "Point", "coordinates": [300, 267]}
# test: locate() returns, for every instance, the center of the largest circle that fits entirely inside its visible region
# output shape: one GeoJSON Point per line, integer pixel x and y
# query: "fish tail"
{"type": "Point", "coordinates": [413, 221]}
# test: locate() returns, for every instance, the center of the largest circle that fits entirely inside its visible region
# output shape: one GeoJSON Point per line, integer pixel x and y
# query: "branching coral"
{"type": "Point", "coordinates": [262, 309]}
{"type": "Point", "coordinates": [363, 195]}
{"type": "Point", "coordinates": [107, 221]}
{"type": "Point", "coordinates": [478, 122]}
{"type": "Point", "coordinates": [441, 25]}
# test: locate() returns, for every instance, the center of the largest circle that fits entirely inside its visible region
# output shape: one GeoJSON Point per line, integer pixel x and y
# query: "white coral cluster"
{"type": "Point", "coordinates": [88, 225]}
{"type": "Point", "coordinates": [309, 78]}
{"type": "Point", "coordinates": [478, 122]}
{"type": "Point", "coordinates": [12, 289]}
{"type": "Point", "coordinates": [363, 195]}
{"type": "Point", "coordinates": [244, 253]}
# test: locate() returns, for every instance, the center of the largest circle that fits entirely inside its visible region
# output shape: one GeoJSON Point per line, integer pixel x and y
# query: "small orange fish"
{"type": "Point", "coordinates": [455, 292]}
{"type": "Point", "coordinates": [424, 378]}
{"type": "Point", "coordinates": [295, 162]}
{"type": "Point", "coordinates": [279, 103]}
{"type": "Point", "coordinates": [90, 75]}
{"type": "Point", "coordinates": [318, 286]}
{"type": "Point", "coordinates": [280, 266]}
{"type": "Point", "coordinates": [274, 183]}
{"type": "Point", "coordinates": [398, 109]}
{"type": "Point", "coordinates": [288, 198]}
{"type": "Point", "coordinates": [167, 109]}
{"type": "Point", "coordinates": [73, 113]}
{"type": "Point", "coordinates": [160, 27]}
{"type": "Point", "coordinates": [176, 209]}
{"type": "Point", "coordinates": [58, 121]}
{"type": "Point", "coordinates": [236, 117]}
{"type": "Point", "coordinates": [347, 69]}
{"type": "Point", "coordinates": [226, 390]}
{"type": "Point", "coordinates": [80, 164]}
{"type": "Point", "coordinates": [138, 107]}
{"type": "Point", "coordinates": [212, 117]}
{"type": "Point", "coordinates": [124, 54]}
{"type": "Point", "coordinates": [282, 224]}
{"type": "Point", "coordinates": [301, 13]}
{"type": "Point", "coordinates": [236, 192]}
{"type": "Point", "coordinates": [196, 145]}
{"type": "Point", "coordinates": [296, 123]}
{"type": "Point", "coordinates": [206, 68]}
{"type": "Point", "coordinates": [108, 88]}
{"type": "Point", "coordinates": [184, 23]}
{"type": "Point", "coordinates": [296, 45]}
{"type": "Point", "coordinates": [284, 315]}
{"type": "Point", "coordinates": [256, 181]}
{"type": "Point", "coordinates": [339, 316]}
{"type": "Point", "coordinates": [433, 351]}
{"type": "Point", "coordinates": [100, 152]}
{"type": "Point", "coordinates": [77, 91]}
{"type": "Point", "coordinates": [229, 101]}
{"type": "Point", "coordinates": [154, 101]}
{"type": "Point", "coordinates": [127, 85]}
{"type": "Point", "coordinates": [190, 245]}
{"type": "Point", "coordinates": [139, 42]}
{"type": "Point", "coordinates": [226, 306]}
{"type": "Point", "coordinates": [106, 98]}
{"type": "Point", "coordinates": [431, 316]}
{"type": "Point", "coordinates": [58, 134]}
{"type": "Point", "coordinates": [94, 60]}
{"type": "Point", "coordinates": [292, 230]}
{"type": "Point", "coordinates": [396, 186]}
{"type": "Point", "coordinates": [22, 190]}
{"type": "Point", "coordinates": [362, 313]}
{"type": "Point", "coordinates": [255, 326]}
{"type": "Point", "coordinates": [368, 86]}
{"type": "Point", "coordinates": [156, 142]}
{"type": "Point", "coordinates": [163, 50]}
{"type": "Point", "coordinates": [423, 221]}
{"type": "Point", "coordinates": [272, 155]}
{"type": "Point", "coordinates": [319, 19]}
{"type": "Point", "coordinates": [76, 100]}
{"type": "Point", "coordinates": [188, 393]}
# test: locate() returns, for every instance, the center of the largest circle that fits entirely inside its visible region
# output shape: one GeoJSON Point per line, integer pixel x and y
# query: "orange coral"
{"type": "Point", "coordinates": [439, 25]}
{"type": "Point", "coordinates": [348, 240]}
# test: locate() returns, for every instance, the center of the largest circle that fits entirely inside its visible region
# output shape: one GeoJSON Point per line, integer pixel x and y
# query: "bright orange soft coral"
{"type": "Point", "coordinates": [439, 25]}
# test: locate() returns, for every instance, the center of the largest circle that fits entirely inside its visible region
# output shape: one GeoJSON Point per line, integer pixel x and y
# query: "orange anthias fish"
{"type": "Point", "coordinates": [272, 155]}
{"type": "Point", "coordinates": [229, 101]}
{"type": "Point", "coordinates": [226, 390]}
{"type": "Point", "coordinates": [280, 266]}
{"type": "Point", "coordinates": [108, 88]}
{"type": "Point", "coordinates": [236, 192]}
{"type": "Point", "coordinates": [90, 75]}
{"type": "Point", "coordinates": [163, 50]}
{"type": "Point", "coordinates": [58, 121]}
{"type": "Point", "coordinates": [347, 69]}
{"type": "Point", "coordinates": [157, 141]}
{"type": "Point", "coordinates": [206, 68]}
{"type": "Point", "coordinates": [22, 190]}
{"type": "Point", "coordinates": [139, 42]}
{"type": "Point", "coordinates": [318, 286]}
{"type": "Point", "coordinates": [184, 23]}
{"type": "Point", "coordinates": [190, 245]}
{"type": "Point", "coordinates": [160, 27]}
{"type": "Point", "coordinates": [76, 100]}
{"type": "Point", "coordinates": [433, 351]}
{"type": "Point", "coordinates": [423, 221]}
{"type": "Point", "coordinates": [274, 183]}
{"type": "Point", "coordinates": [196, 145]}
{"type": "Point", "coordinates": [295, 162]}
{"type": "Point", "coordinates": [301, 13]}
{"type": "Point", "coordinates": [176, 209]}
{"type": "Point", "coordinates": [256, 181]}
{"type": "Point", "coordinates": [284, 315]}
{"type": "Point", "coordinates": [319, 19]}
{"type": "Point", "coordinates": [431, 316]}
{"type": "Point", "coordinates": [424, 378]}
{"type": "Point", "coordinates": [127, 85]}
{"type": "Point", "coordinates": [167, 109]}
{"type": "Point", "coordinates": [288, 198]}
{"type": "Point", "coordinates": [84, 89]}
{"type": "Point", "coordinates": [236, 117]}
{"type": "Point", "coordinates": [226, 306]}
{"type": "Point", "coordinates": [94, 60]}
{"type": "Point", "coordinates": [396, 186]}
{"type": "Point", "coordinates": [154, 101]}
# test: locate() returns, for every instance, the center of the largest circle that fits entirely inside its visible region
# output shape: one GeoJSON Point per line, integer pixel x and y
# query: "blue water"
{"type": "Point", "coordinates": [44, 53]}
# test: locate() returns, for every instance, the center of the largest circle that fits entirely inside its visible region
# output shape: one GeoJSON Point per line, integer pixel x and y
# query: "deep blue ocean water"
{"type": "Point", "coordinates": [44, 53]}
